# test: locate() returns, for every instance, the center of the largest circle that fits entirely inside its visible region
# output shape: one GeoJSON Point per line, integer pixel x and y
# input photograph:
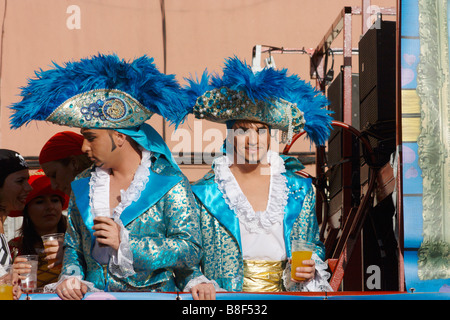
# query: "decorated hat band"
{"type": "Point", "coordinates": [224, 104]}
{"type": "Point", "coordinates": [100, 108]}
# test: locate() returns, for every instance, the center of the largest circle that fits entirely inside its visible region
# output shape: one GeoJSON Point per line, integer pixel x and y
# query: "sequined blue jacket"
{"type": "Point", "coordinates": [222, 260]}
{"type": "Point", "coordinates": [163, 234]}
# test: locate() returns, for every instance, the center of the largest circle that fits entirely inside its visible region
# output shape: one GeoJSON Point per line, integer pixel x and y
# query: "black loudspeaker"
{"type": "Point", "coordinates": [380, 248]}
{"type": "Point", "coordinates": [377, 88]}
{"type": "Point", "coordinates": [377, 81]}
{"type": "Point", "coordinates": [343, 148]}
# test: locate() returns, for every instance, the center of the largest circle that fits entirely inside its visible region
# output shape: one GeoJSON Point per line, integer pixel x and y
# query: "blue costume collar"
{"type": "Point", "coordinates": [149, 139]}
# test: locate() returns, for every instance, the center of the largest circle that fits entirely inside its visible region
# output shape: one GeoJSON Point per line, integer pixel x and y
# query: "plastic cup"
{"type": "Point", "coordinates": [52, 237]}
{"type": "Point", "coordinates": [28, 281]}
{"type": "Point", "coordinates": [301, 250]}
{"type": "Point", "coordinates": [101, 212]}
{"type": "Point", "coordinates": [6, 286]}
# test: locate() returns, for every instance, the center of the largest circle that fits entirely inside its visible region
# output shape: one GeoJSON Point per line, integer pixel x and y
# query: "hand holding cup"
{"type": "Point", "coordinates": [53, 248]}
{"type": "Point", "coordinates": [105, 229]}
{"type": "Point", "coordinates": [26, 267]}
{"type": "Point", "coordinates": [302, 266]}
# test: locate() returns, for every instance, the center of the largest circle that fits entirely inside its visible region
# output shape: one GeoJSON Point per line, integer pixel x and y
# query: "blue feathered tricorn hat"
{"type": "Point", "coordinates": [269, 96]}
{"type": "Point", "coordinates": [100, 92]}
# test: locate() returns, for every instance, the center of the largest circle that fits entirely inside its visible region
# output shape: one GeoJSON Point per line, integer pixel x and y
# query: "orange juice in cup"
{"type": "Point", "coordinates": [301, 250]}
{"type": "Point", "coordinates": [6, 288]}
{"type": "Point", "coordinates": [6, 292]}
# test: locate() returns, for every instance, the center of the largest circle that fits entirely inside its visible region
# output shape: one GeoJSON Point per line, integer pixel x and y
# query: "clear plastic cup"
{"type": "Point", "coordinates": [28, 281]}
{"type": "Point", "coordinates": [301, 250]}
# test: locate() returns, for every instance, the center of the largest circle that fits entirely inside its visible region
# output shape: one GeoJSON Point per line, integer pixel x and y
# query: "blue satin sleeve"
{"type": "Point", "coordinates": [73, 256]}
{"type": "Point", "coordinates": [76, 244]}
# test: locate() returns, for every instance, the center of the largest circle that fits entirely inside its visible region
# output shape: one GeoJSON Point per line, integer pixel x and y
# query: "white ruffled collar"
{"type": "Point", "coordinates": [260, 221]}
{"type": "Point", "coordinates": [99, 186]}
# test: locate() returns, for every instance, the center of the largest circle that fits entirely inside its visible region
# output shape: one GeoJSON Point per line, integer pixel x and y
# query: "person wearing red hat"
{"type": "Point", "coordinates": [62, 159]}
{"type": "Point", "coordinates": [42, 215]}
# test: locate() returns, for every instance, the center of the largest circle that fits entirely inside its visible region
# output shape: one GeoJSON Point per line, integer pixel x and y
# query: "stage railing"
{"type": "Point", "coordinates": [243, 296]}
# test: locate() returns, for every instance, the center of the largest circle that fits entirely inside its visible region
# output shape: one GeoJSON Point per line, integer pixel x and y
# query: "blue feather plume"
{"type": "Point", "coordinates": [158, 92]}
{"type": "Point", "coordinates": [195, 88]}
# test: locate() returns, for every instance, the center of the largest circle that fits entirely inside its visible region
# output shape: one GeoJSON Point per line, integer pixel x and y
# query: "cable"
{"type": "Point", "coordinates": [1, 49]}
{"type": "Point", "coordinates": [330, 74]}
{"type": "Point", "coordinates": [164, 36]}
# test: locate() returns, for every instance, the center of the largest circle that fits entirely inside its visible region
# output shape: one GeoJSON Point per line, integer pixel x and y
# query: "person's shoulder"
{"type": "Point", "coordinates": [162, 166]}
{"type": "Point", "coordinates": [207, 179]}
{"type": "Point", "coordinates": [293, 166]}
{"type": "Point", "coordinates": [86, 173]}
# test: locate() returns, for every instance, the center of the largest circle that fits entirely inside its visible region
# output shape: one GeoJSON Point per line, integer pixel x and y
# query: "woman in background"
{"type": "Point", "coordinates": [42, 215]}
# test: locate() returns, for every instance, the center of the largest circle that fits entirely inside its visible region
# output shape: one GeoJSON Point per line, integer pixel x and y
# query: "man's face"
{"type": "Point", "coordinates": [99, 146]}
{"type": "Point", "coordinates": [251, 141]}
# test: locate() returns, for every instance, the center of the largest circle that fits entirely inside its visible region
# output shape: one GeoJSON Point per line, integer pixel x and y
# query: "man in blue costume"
{"type": "Point", "coordinates": [133, 221]}
{"type": "Point", "coordinates": [253, 203]}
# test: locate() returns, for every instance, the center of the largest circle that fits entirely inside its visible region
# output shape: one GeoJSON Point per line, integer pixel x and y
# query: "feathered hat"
{"type": "Point", "coordinates": [100, 92]}
{"type": "Point", "coordinates": [269, 96]}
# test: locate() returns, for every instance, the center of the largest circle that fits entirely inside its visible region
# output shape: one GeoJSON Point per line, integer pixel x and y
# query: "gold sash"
{"type": "Point", "coordinates": [263, 276]}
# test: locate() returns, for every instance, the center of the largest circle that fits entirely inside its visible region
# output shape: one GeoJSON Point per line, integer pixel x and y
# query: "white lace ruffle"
{"type": "Point", "coordinates": [51, 287]}
{"type": "Point", "coordinates": [121, 261]}
{"type": "Point", "coordinates": [255, 222]}
{"type": "Point", "coordinates": [199, 280]}
{"type": "Point", "coordinates": [318, 284]}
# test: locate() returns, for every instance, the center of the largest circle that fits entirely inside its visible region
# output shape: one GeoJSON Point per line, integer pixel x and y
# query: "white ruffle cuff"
{"type": "Point", "coordinates": [51, 287]}
{"type": "Point", "coordinates": [318, 284]}
{"type": "Point", "coordinates": [199, 280]}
